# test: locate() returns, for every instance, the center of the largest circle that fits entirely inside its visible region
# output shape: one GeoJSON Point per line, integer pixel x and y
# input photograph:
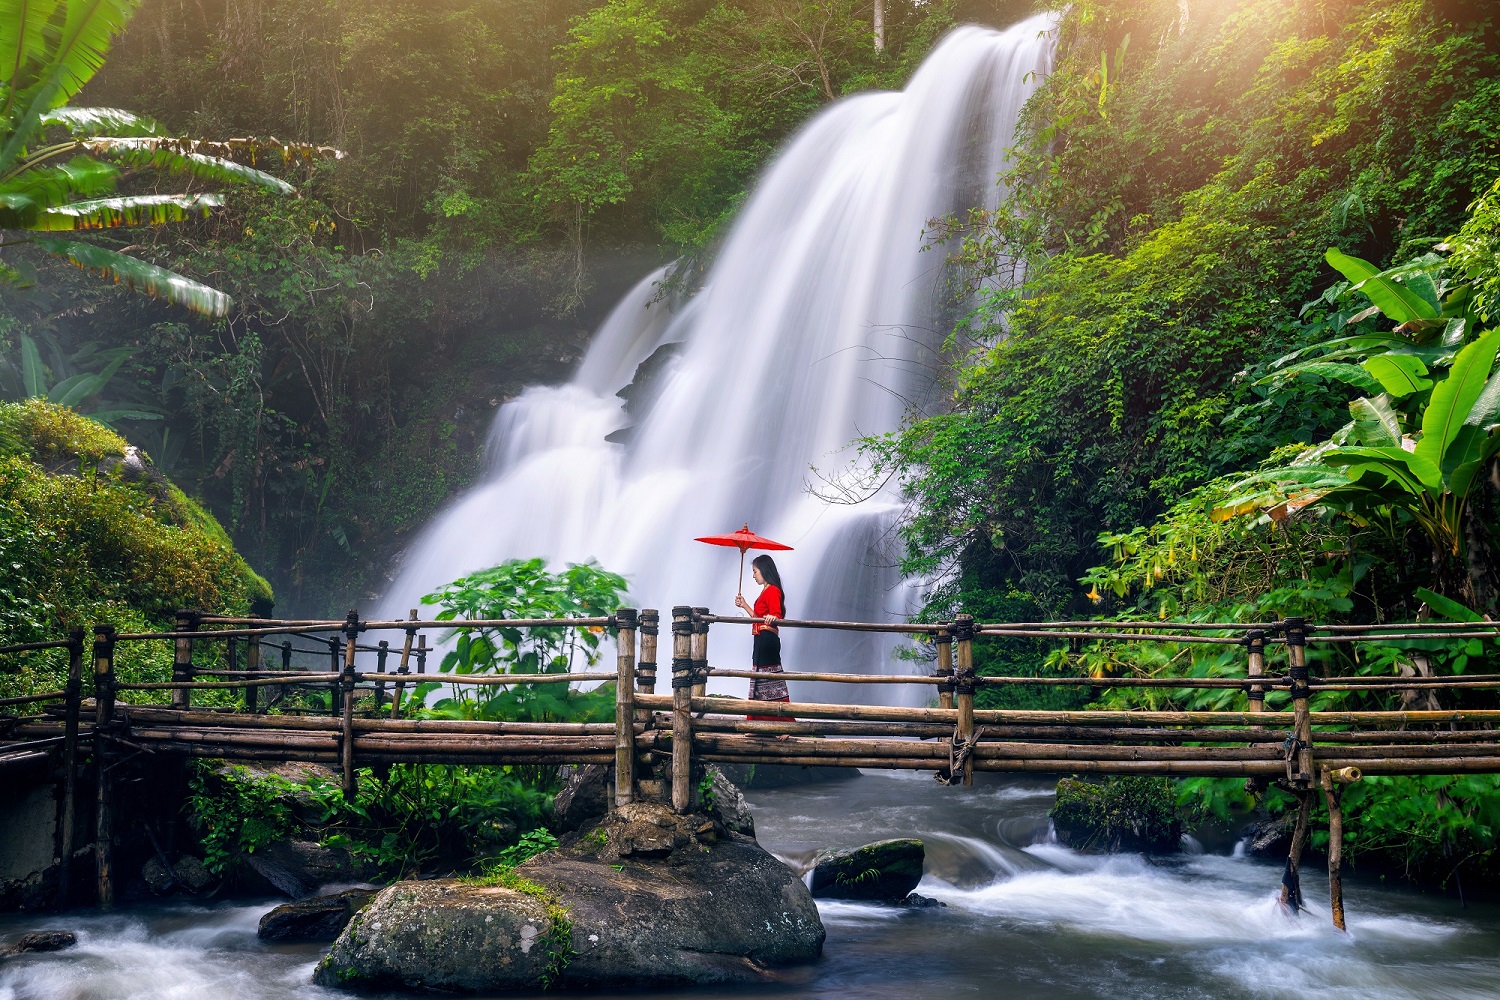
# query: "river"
{"type": "Point", "coordinates": [1025, 919]}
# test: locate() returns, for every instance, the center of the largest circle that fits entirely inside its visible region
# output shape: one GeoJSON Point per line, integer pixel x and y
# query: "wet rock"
{"type": "Point", "coordinates": [1132, 814]}
{"type": "Point", "coordinates": [726, 803]}
{"type": "Point", "coordinates": [706, 913]}
{"type": "Point", "coordinates": [1271, 838]}
{"type": "Point", "coordinates": [585, 795]}
{"type": "Point", "coordinates": [299, 867]}
{"type": "Point", "coordinates": [885, 871]}
{"type": "Point", "coordinates": [186, 874]}
{"type": "Point", "coordinates": [919, 902]}
{"type": "Point", "coordinates": [40, 941]}
{"type": "Point", "coordinates": [318, 919]}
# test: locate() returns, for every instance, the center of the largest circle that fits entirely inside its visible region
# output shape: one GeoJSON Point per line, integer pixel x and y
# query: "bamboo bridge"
{"type": "Point", "coordinates": [91, 727]}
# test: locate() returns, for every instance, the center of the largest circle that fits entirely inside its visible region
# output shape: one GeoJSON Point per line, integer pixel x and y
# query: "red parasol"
{"type": "Point", "coordinates": [744, 539]}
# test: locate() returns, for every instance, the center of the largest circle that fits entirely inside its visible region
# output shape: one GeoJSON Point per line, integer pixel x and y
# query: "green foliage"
{"type": "Point", "coordinates": [88, 538]}
{"type": "Point", "coordinates": [1121, 813]}
{"type": "Point", "coordinates": [525, 588]}
{"type": "Point", "coordinates": [65, 182]}
{"type": "Point", "coordinates": [412, 819]}
{"type": "Point", "coordinates": [235, 813]}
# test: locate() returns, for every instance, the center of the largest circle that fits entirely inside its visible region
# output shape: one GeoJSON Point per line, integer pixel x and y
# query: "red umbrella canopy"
{"type": "Point", "coordinates": [742, 540]}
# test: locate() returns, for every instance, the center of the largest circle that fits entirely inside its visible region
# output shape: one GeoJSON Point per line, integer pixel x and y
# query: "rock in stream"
{"type": "Point", "coordinates": [646, 898]}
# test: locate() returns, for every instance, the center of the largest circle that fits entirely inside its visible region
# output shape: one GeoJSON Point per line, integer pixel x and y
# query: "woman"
{"type": "Point", "coordinates": [766, 654]}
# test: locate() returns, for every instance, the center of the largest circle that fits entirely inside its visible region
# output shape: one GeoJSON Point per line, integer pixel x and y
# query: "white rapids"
{"type": "Point", "coordinates": [818, 323]}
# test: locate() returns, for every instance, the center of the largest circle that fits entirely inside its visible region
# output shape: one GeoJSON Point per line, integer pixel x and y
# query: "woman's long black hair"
{"type": "Point", "coordinates": [767, 567]}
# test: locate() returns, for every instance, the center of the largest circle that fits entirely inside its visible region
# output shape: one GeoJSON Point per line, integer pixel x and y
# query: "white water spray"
{"type": "Point", "coordinates": [817, 324]}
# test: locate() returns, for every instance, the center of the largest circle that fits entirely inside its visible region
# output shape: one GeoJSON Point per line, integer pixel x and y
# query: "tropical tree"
{"type": "Point", "coordinates": [70, 169]}
{"type": "Point", "coordinates": [1418, 442]}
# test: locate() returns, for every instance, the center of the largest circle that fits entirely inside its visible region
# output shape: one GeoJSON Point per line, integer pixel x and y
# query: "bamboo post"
{"type": "Point", "coordinates": [286, 664]}
{"type": "Point", "coordinates": [346, 685]}
{"type": "Point", "coordinates": [252, 664]}
{"type": "Point", "coordinates": [104, 704]}
{"type": "Point", "coordinates": [963, 687]}
{"type": "Point", "coordinates": [700, 652]}
{"type": "Point", "coordinates": [422, 653]}
{"type": "Point", "coordinates": [682, 719]}
{"type": "Point", "coordinates": [1255, 647]}
{"type": "Point", "coordinates": [72, 705]}
{"type": "Point", "coordinates": [1291, 878]}
{"type": "Point", "coordinates": [1333, 782]}
{"type": "Point", "coordinates": [944, 640]}
{"type": "Point", "coordinates": [335, 693]}
{"type": "Point", "coordinates": [182, 658]}
{"type": "Point", "coordinates": [404, 669]}
{"type": "Point", "coordinates": [645, 667]}
{"type": "Point", "coordinates": [232, 660]}
{"type": "Point", "coordinates": [625, 622]}
{"type": "Point", "coordinates": [1302, 776]}
{"type": "Point", "coordinates": [382, 651]}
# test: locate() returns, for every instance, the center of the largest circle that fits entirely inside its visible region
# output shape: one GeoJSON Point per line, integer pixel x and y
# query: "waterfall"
{"type": "Point", "coordinates": [818, 323]}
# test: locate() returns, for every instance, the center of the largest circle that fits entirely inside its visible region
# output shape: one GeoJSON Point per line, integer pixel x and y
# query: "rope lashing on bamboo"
{"type": "Point", "coordinates": [959, 752]}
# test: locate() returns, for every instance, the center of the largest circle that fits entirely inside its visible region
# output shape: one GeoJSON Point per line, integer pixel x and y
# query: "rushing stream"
{"type": "Point", "coordinates": [1025, 919]}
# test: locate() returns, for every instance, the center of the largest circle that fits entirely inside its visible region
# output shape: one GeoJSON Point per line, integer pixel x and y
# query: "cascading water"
{"type": "Point", "coordinates": [817, 324]}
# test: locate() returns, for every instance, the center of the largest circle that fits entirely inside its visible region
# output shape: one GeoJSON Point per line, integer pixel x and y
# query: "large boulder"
{"type": "Point", "coordinates": [321, 918]}
{"type": "Point", "coordinates": [885, 871]}
{"type": "Point", "coordinates": [683, 905]}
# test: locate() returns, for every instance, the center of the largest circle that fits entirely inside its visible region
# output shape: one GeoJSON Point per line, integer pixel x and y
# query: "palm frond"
{"type": "Point", "coordinates": [84, 123]}
{"type": "Point", "coordinates": [140, 276]}
{"type": "Point", "coordinates": [251, 148]}
{"type": "Point", "coordinates": [132, 152]}
{"type": "Point", "coordinates": [127, 210]}
{"type": "Point", "coordinates": [72, 53]}
{"type": "Point", "coordinates": [22, 36]}
{"type": "Point", "coordinates": [24, 196]}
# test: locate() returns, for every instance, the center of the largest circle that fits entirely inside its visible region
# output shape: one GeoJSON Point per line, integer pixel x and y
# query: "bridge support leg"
{"type": "Point", "coordinates": [1333, 783]}
{"type": "Point", "coordinates": [72, 705]}
{"type": "Point", "coordinates": [1291, 879]}
{"type": "Point", "coordinates": [625, 707]}
{"type": "Point", "coordinates": [346, 685]}
{"type": "Point", "coordinates": [104, 806]}
{"type": "Point", "coordinates": [963, 685]}
{"type": "Point", "coordinates": [682, 716]}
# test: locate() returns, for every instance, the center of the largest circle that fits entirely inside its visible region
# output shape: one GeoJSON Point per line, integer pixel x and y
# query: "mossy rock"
{"type": "Point", "coordinates": [1131, 814]}
{"type": "Point", "coordinates": [885, 871]}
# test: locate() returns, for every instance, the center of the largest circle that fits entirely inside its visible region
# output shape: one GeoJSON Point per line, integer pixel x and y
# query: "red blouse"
{"type": "Point", "coordinates": [768, 603]}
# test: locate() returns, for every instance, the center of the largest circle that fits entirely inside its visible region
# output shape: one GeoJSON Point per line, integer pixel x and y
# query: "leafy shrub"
{"type": "Point", "coordinates": [416, 818]}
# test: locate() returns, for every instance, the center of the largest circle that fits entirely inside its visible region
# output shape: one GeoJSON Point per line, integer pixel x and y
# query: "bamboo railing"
{"type": "Point", "coordinates": [1305, 750]}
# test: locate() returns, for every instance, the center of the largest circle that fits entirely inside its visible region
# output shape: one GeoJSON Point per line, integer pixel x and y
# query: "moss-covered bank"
{"type": "Point", "coordinates": [91, 534]}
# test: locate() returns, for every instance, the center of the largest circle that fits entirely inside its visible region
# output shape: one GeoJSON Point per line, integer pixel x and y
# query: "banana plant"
{"type": "Point", "coordinates": [61, 166]}
{"type": "Point", "coordinates": [1415, 446]}
{"type": "Point", "coordinates": [80, 386]}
